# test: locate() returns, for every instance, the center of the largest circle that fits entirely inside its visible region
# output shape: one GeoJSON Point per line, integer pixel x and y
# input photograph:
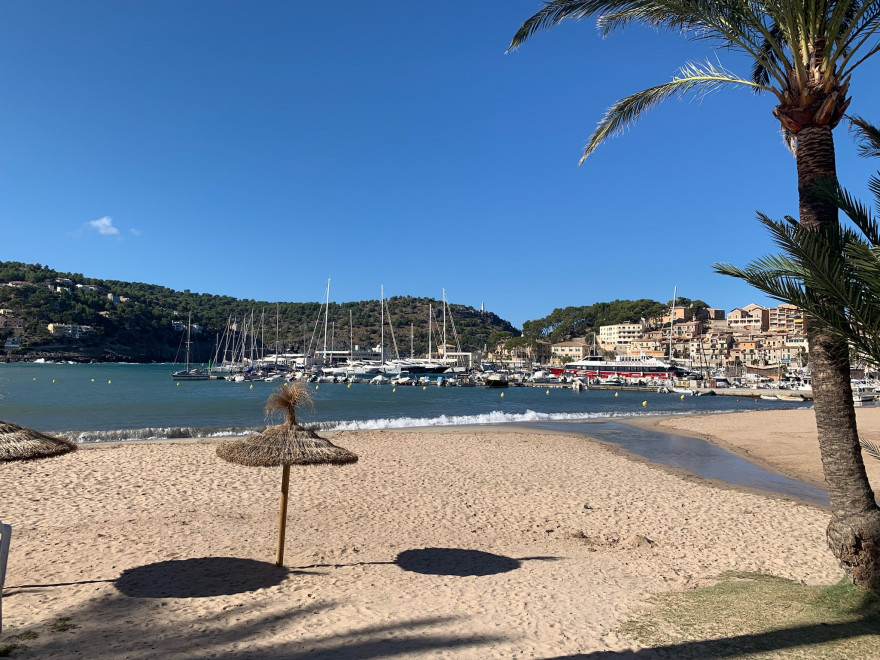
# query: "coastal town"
{"type": "Point", "coordinates": [752, 341]}
{"type": "Point", "coordinates": [749, 339]}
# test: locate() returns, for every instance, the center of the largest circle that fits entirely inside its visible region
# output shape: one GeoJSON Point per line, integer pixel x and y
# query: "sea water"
{"type": "Point", "coordinates": [95, 402]}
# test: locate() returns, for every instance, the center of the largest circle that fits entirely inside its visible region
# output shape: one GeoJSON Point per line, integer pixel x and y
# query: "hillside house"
{"type": "Point", "coordinates": [69, 330]}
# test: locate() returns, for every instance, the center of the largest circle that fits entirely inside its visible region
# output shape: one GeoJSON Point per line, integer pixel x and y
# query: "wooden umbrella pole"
{"type": "Point", "coordinates": [282, 515]}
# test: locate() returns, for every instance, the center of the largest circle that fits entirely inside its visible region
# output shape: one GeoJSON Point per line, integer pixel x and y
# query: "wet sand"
{"type": "Point", "coordinates": [782, 441]}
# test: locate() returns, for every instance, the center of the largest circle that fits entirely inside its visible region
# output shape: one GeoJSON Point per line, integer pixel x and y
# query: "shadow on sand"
{"type": "Point", "coordinates": [202, 577]}
{"type": "Point", "coordinates": [458, 562]}
{"type": "Point", "coordinates": [455, 562]}
{"type": "Point", "coordinates": [736, 646]}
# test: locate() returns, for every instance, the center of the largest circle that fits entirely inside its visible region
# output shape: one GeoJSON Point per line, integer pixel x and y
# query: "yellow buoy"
{"type": "Point", "coordinates": [502, 394]}
{"type": "Point", "coordinates": [252, 387]}
{"type": "Point", "coordinates": [35, 377]}
{"type": "Point", "coordinates": [348, 386]}
{"type": "Point", "coordinates": [644, 403]}
{"type": "Point", "coordinates": [393, 389]}
{"type": "Point", "coordinates": [548, 391]}
{"type": "Point", "coordinates": [615, 394]}
{"type": "Point", "coordinates": [424, 388]}
{"type": "Point", "coordinates": [178, 384]}
{"type": "Point", "coordinates": [109, 381]}
{"type": "Point", "coordinates": [53, 380]}
{"type": "Point", "coordinates": [682, 397]}
{"type": "Point", "coordinates": [317, 386]}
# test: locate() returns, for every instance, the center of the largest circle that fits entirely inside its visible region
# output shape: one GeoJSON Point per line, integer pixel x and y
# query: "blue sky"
{"type": "Point", "coordinates": [255, 149]}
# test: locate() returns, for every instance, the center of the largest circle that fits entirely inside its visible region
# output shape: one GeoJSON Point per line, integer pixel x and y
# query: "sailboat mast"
{"type": "Point", "coordinates": [326, 315]}
{"type": "Point", "coordinates": [188, 328]}
{"type": "Point", "coordinates": [672, 320]}
{"type": "Point", "coordinates": [350, 338]}
{"type": "Point", "coordinates": [430, 330]}
{"type": "Point", "coordinates": [382, 324]}
{"type": "Point", "coordinates": [444, 325]}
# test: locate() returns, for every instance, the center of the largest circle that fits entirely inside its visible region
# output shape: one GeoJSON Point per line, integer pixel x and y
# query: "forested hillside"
{"type": "Point", "coordinates": [566, 323]}
{"type": "Point", "coordinates": [135, 321]}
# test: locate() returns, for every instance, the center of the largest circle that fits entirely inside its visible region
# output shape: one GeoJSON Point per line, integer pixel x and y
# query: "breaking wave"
{"type": "Point", "coordinates": [494, 417]}
{"type": "Point", "coordinates": [158, 433]}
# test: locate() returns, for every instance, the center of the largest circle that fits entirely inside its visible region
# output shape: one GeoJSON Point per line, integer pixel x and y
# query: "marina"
{"type": "Point", "coordinates": [104, 402]}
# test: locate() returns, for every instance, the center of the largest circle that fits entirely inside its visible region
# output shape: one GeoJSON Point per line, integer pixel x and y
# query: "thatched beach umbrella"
{"type": "Point", "coordinates": [18, 443]}
{"type": "Point", "coordinates": [285, 445]}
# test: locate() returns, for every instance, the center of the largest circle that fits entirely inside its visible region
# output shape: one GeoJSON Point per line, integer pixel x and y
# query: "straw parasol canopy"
{"type": "Point", "coordinates": [18, 443]}
{"type": "Point", "coordinates": [285, 445]}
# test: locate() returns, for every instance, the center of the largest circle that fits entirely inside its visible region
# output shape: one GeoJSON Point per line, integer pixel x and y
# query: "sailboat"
{"type": "Point", "coordinates": [187, 373]}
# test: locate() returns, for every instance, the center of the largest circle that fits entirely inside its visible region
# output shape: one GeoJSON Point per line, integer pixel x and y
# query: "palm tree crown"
{"type": "Point", "coordinates": [804, 51]}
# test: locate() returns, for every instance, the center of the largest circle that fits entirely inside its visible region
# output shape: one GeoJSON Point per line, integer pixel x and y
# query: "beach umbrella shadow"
{"type": "Point", "coordinates": [455, 561]}
{"type": "Point", "coordinates": [202, 577]}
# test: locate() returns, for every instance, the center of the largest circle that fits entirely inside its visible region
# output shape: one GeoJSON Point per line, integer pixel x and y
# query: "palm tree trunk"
{"type": "Point", "coordinates": [854, 531]}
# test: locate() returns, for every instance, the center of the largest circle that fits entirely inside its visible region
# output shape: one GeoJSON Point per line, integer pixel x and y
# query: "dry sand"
{"type": "Point", "coordinates": [475, 543]}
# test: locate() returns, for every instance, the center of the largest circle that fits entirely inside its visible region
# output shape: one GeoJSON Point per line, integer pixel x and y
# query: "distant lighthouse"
{"type": "Point", "coordinates": [482, 308]}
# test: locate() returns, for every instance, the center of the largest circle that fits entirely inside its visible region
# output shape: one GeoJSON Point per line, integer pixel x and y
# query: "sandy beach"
{"type": "Point", "coordinates": [492, 542]}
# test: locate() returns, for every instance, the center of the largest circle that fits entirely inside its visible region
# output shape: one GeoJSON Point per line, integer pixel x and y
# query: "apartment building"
{"type": "Point", "coordinates": [785, 318]}
{"type": "Point", "coordinates": [569, 351]}
{"type": "Point", "coordinates": [753, 318]}
{"type": "Point", "coordinates": [611, 336]}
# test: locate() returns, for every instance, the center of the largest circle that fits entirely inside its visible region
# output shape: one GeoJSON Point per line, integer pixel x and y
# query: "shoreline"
{"type": "Point", "coordinates": [782, 441]}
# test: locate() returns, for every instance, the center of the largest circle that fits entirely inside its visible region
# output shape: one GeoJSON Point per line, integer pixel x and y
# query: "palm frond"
{"type": "Point", "coordinates": [870, 448]}
{"type": "Point", "coordinates": [866, 136]}
{"type": "Point", "coordinates": [831, 272]}
{"type": "Point", "coordinates": [860, 20]}
{"type": "Point", "coordinates": [553, 13]}
{"type": "Point", "coordinates": [625, 112]}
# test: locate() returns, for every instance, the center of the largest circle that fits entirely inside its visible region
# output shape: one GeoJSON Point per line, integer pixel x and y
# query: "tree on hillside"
{"type": "Point", "coordinates": [804, 54]}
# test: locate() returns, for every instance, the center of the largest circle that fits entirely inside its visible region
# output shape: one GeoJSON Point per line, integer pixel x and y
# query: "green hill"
{"type": "Point", "coordinates": [131, 321]}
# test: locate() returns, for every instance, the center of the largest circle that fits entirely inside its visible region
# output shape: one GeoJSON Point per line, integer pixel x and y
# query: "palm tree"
{"type": "Point", "coordinates": [804, 52]}
{"type": "Point", "coordinates": [833, 272]}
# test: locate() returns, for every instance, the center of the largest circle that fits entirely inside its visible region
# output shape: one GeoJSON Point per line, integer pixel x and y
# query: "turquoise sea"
{"type": "Point", "coordinates": [103, 402]}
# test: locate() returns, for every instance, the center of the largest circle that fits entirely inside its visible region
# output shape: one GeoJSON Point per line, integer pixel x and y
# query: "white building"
{"type": "Point", "coordinates": [620, 334]}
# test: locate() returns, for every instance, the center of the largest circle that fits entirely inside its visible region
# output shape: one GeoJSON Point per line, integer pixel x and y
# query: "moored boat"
{"type": "Point", "coordinates": [624, 366]}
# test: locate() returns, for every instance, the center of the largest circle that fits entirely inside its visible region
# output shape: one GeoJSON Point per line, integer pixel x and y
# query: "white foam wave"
{"type": "Point", "coordinates": [156, 433]}
{"type": "Point", "coordinates": [494, 417]}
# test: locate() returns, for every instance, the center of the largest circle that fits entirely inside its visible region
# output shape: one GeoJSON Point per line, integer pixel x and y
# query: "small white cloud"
{"type": "Point", "coordinates": [135, 232]}
{"type": "Point", "coordinates": [104, 226]}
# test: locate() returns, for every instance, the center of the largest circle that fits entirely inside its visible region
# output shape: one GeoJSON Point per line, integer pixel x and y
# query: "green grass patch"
{"type": "Point", "coordinates": [61, 624]}
{"type": "Point", "coordinates": [762, 616]}
{"type": "Point", "coordinates": [7, 649]}
{"type": "Point", "coordinates": [10, 646]}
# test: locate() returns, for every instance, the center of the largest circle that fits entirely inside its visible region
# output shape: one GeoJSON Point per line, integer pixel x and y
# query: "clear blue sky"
{"type": "Point", "coordinates": [255, 149]}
